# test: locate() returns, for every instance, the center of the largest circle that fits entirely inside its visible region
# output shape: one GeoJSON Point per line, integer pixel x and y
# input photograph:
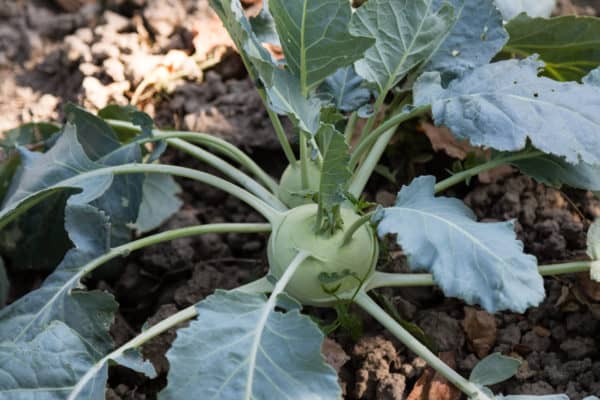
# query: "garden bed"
{"type": "Point", "coordinates": [49, 56]}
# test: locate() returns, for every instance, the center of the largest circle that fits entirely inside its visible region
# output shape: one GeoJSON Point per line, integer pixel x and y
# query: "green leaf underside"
{"type": "Point", "coordinates": [46, 367]}
{"type": "Point", "coordinates": [481, 263]}
{"type": "Point", "coordinates": [477, 35]}
{"type": "Point", "coordinates": [502, 105]}
{"type": "Point", "coordinates": [555, 171]}
{"type": "Point", "coordinates": [315, 39]}
{"type": "Point", "coordinates": [345, 87]}
{"type": "Point", "coordinates": [493, 369]}
{"type": "Point", "coordinates": [407, 33]}
{"type": "Point", "coordinates": [569, 45]}
{"type": "Point", "coordinates": [227, 354]}
{"type": "Point", "coordinates": [335, 175]}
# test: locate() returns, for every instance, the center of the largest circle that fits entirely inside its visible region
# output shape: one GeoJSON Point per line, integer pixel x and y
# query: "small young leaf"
{"type": "Point", "coordinates": [481, 263]}
{"type": "Point", "coordinates": [501, 105]}
{"type": "Point", "coordinates": [568, 44]}
{"type": "Point", "coordinates": [315, 38]}
{"type": "Point", "coordinates": [477, 35]}
{"type": "Point", "coordinates": [346, 89]}
{"type": "Point", "coordinates": [538, 8]}
{"type": "Point", "coordinates": [159, 202]}
{"type": "Point", "coordinates": [335, 176]}
{"type": "Point", "coordinates": [407, 33]}
{"type": "Point", "coordinates": [230, 352]}
{"type": "Point", "coordinates": [493, 369]}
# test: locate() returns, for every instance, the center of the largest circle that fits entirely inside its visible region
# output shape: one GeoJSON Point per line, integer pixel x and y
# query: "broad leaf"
{"type": "Point", "coordinates": [477, 35]}
{"type": "Point", "coordinates": [569, 45]}
{"type": "Point", "coordinates": [335, 176]}
{"type": "Point", "coordinates": [407, 33]}
{"type": "Point", "coordinates": [46, 367]}
{"type": "Point", "coordinates": [504, 104]}
{"type": "Point", "coordinates": [159, 202]}
{"type": "Point", "coordinates": [345, 87]}
{"type": "Point", "coordinates": [555, 171]}
{"type": "Point", "coordinates": [240, 349]}
{"type": "Point", "coordinates": [493, 369]}
{"type": "Point", "coordinates": [102, 145]}
{"type": "Point", "coordinates": [89, 313]}
{"type": "Point", "coordinates": [315, 39]}
{"type": "Point", "coordinates": [28, 134]}
{"type": "Point", "coordinates": [593, 249]}
{"type": "Point", "coordinates": [537, 8]}
{"type": "Point", "coordinates": [42, 175]}
{"type": "Point", "coordinates": [481, 263]}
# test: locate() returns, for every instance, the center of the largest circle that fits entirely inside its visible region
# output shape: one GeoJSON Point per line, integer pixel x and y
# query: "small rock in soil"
{"type": "Point", "coordinates": [480, 328]}
{"type": "Point", "coordinates": [578, 348]}
{"type": "Point", "coordinates": [445, 331]}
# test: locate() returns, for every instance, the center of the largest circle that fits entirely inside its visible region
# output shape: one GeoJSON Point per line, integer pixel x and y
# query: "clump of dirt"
{"type": "Point", "coordinates": [551, 223]}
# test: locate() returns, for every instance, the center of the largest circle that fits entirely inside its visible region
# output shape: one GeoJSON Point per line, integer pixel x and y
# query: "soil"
{"type": "Point", "coordinates": [138, 50]}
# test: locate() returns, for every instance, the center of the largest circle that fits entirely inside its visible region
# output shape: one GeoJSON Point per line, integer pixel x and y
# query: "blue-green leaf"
{"type": "Point", "coordinates": [315, 39]}
{"type": "Point", "coordinates": [493, 369]}
{"type": "Point", "coordinates": [159, 202]}
{"type": "Point", "coordinates": [477, 35]}
{"type": "Point", "coordinates": [89, 313]}
{"type": "Point", "coordinates": [406, 32]}
{"type": "Point", "coordinates": [346, 89]}
{"type": "Point", "coordinates": [481, 263]}
{"type": "Point", "coordinates": [537, 8]}
{"type": "Point", "coordinates": [46, 367]}
{"type": "Point", "coordinates": [240, 349]}
{"type": "Point", "coordinates": [593, 78]}
{"type": "Point", "coordinates": [285, 97]}
{"type": "Point", "coordinates": [42, 175]}
{"type": "Point", "coordinates": [505, 104]}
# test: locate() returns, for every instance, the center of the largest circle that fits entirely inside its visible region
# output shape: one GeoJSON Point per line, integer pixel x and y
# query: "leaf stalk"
{"type": "Point", "coordinates": [470, 389]}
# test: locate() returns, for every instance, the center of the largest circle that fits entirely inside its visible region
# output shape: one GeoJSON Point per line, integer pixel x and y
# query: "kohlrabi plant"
{"type": "Point", "coordinates": [350, 77]}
